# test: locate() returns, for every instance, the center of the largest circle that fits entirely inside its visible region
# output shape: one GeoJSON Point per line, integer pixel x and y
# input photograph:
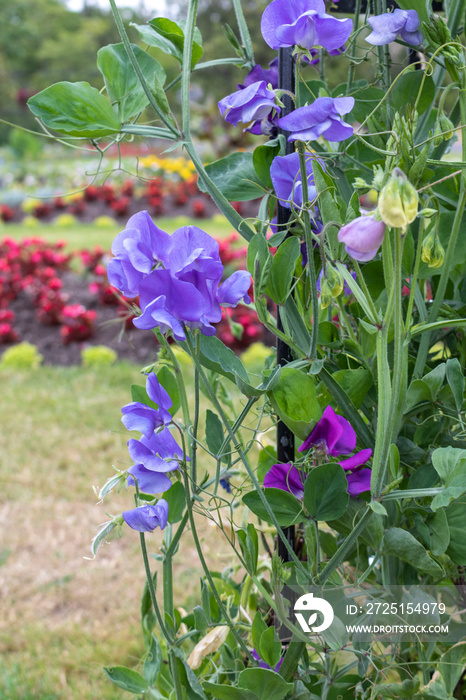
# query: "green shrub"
{"type": "Point", "coordinates": [22, 356]}
{"type": "Point", "coordinates": [98, 356]}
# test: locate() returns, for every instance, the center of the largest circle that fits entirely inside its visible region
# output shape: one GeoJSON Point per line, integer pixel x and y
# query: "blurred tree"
{"type": "Point", "coordinates": [42, 42]}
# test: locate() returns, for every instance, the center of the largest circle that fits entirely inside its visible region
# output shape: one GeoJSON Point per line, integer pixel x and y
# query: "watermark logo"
{"type": "Point", "coordinates": [308, 603]}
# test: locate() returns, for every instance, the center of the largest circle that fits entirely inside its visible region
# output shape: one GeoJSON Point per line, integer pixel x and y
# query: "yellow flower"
{"type": "Point", "coordinates": [398, 201]}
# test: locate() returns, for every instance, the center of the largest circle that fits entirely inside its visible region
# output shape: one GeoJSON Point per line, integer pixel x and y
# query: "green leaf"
{"type": "Point", "coordinates": [294, 398]}
{"type": "Point", "coordinates": [213, 432]}
{"type": "Point", "coordinates": [355, 382]}
{"type": "Point", "coordinates": [169, 383]}
{"type": "Point", "coordinates": [257, 250]}
{"type": "Point", "coordinates": [258, 628]}
{"type": "Point", "coordinates": [282, 270]}
{"type": "Point", "coordinates": [434, 531]}
{"type": "Point", "coordinates": [249, 543]}
{"type": "Point", "coordinates": [263, 156]}
{"type": "Point", "coordinates": [456, 517]}
{"type": "Point", "coordinates": [176, 499]}
{"type": "Point", "coordinates": [407, 88]}
{"type": "Point", "coordinates": [403, 545]}
{"type": "Point", "coordinates": [455, 379]}
{"type": "Point", "coordinates": [378, 507]}
{"type": "Point", "coordinates": [287, 509]}
{"type": "Point", "coordinates": [200, 620]}
{"type": "Point", "coordinates": [228, 692]}
{"type": "Point", "coordinates": [451, 666]}
{"type": "Point", "coordinates": [168, 36]}
{"type": "Point", "coordinates": [267, 385]}
{"type": "Point", "coordinates": [419, 5]}
{"type": "Point", "coordinates": [366, 100]}
{"type": "Point", "coordinates": [266, 684]}
{"type": "Point", "coordinates": [325, 492]}
{"type": "Point", "coordinates": [214, 355]}
{"type": "Point", "coordinates": [123, 86]}
{"type": "Point", "coordinates": [449, 463]}
{"type": "Point", "coordinates": [75, 109]}
{"type": "Point", "coordinates": [152, 662]}
{"type": "Point", "coordinates": [189, 680]}
{"type": "Point", "coordinates": [270, 649]}
{"type": "Point", "coordinates": [127, 679]}
{"type": "Point", "coordinates": [235, 177]}
{"type": "Point", "coordinates": [328, 206]}
{"type": "Point", "coordinates": [299, 333]}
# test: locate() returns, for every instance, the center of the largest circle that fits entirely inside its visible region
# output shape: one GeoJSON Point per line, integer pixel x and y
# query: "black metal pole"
{"type": "Point", "coordinates": [285, 438]}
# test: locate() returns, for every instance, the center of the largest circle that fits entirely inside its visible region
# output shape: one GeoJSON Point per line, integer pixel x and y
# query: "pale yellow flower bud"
{"type": "Point", "coordinates": [398, 201]}
{"type": "Point", "coordinates": [433, 252]}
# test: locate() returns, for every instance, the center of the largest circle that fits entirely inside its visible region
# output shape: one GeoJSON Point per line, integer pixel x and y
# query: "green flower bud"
{"type": "Point", "coordinates": [433, 252]}
{"type": "Point", "coordinates": [331, 286]}
{"type": "Point", "coordinates": [398, 201]}
{"type": "Point", "coordinates": [447, 127]}
{"type": "Point", "coordinates": [438, 136]}
{"type": "Point", "coordinates": [361, 185]}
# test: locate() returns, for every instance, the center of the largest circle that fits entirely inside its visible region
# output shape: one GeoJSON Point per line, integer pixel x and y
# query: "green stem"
{"type": "Point", "coordinates": [167, 583]}
{"type": "Point", "coordinates": [344, 549]}
{"type": "Point", "coordinates": [244, 33]}
{"type": "Point", "coordinates": [444, 277]}
{"type": "Point", "coordinates": [310, 254]}
{"type": "Point", "coordinates": [207, 573]}
{"type": "Point", "coordinates": [173, 662]}
{"type": "Point", "coordinates": [383, 402]}
{"type": "Point", "coordinates": [244, 459]}
{"type": "Point", "coordinates": [195, 422]}
{"type": "Point", "coordinates": [357, 12]}
{"type": "Point", "coordinates": [137, 69]}
{"type": "Point", "coordinates": [186, 71]}
{"type": "Point", "coordinates": [414, 276]}
{"type": "Point", "coordinates": [220, 200]}
{"type": "Point", "coordinates": [153, 596]}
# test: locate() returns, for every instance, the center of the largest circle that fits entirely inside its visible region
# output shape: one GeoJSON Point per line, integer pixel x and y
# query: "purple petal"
{"type": "Point", "coordinates": [234, 289]}
{"type": "Point", "coordinates": [388, 22]}
{"type": "Point", "coordinates": [137, 416]}
{"type": "Point", "coordinates": [361, 257]}
{"type": "Point", "coordinates": [357, 460]}
{"type": "Point", "coordinates": [285, 477]}
{"type": "Point", "coordinates": [413, 38]}
{"type": "Point", "coordinates": [347, 440]}
{"type": "Point", "coordinates": [332, 431]}
{"type": "Point", "coordinates": [286, 178]}
{"type": "Point", "coordinates": [412, 21]}
{"type": "Point", "coordinates": [157, 393]}
{"type": "Point", "coordinates": [331, 32]}
{"type": "Point", "coordinates": [363, 235]}
{"type": "Point", "coordinates": [148, 480]}
{"type": "Point", "coordinates": [343, 105]}
{"type": "Point", "coordinates": [338, 131]}
{"type": "Point", "coordinates": [147, 518]}
{"type": "Point", "coordinates": [359, 481]}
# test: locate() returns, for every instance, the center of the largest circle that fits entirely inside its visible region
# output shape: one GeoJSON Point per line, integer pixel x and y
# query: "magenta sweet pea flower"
{"type": "Point", "coordinates": [303, 23]}
{"type": "Point", "coordinates": [286, 179]}
{"type": "Point", "coordinates": [362, 237]}
{"type": "Point", "coordinates": [322, 118]}
{"type": "Point", "coordinates": [253, 103]}
{"type": "Point", "coordinates": [285, 477]}
{"type": "Point", "coordinates": [147, 518]}
{"type": "Point", "coordinates": [386, 27]}
{"type": "Point", "coordinates": [334, 433]}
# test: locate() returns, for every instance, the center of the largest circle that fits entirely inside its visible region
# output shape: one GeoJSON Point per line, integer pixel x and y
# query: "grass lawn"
{"type": "Point", "coordinates": [88, 235]}
{"type": "Point", "coordinates": [64, 616]}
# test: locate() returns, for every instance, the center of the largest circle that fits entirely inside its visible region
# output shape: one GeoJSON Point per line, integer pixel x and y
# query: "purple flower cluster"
{"type": "Point", "coordinates": [177, 277]}
{"type": "Point", "coordinates": [335, 436]}
{"type": "Point", "coordinates": [154, 455]}
{"type": "Point", "coordinates": [287, 182]}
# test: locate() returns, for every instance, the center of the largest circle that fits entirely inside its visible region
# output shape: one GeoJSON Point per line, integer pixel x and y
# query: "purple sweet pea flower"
{"type": "Point", "coordinates": [321, 118]}
{"type": "Point", "coordinates": [386, 27]}
{"type": "Point", "coordinates": [285, 477]}
{"type": "Point", "coordinates": [147, 518]}
{"type": "Point", "coordinates": [254, 103]}
{"type": "Point", "coordinates": [359, 481]}
{"type": "Point", "coordinates": [362, 237]}
{"type": "Point", "coordinates": [148, 480]}
{"type": "Point", "coordinates": [303, 23]}
{"type": "Point", "coordinates": [263, 664]}
{"type": "Point", "coordinates": [159, 453]}
{"type": "Point", "coordinates": [268, 75]}
{"type": "Point", "coordinates": [138, 416]}
{"type": "Point", "coordinates": [286, 180]}
{"type": "Point", "coordinates": [137, 250]}
{"type": "Point", "coordinates": [334, 432]}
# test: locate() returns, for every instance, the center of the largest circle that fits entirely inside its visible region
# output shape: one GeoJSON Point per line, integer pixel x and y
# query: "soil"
{"type": "Point", "coordinates": [138, 346]}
